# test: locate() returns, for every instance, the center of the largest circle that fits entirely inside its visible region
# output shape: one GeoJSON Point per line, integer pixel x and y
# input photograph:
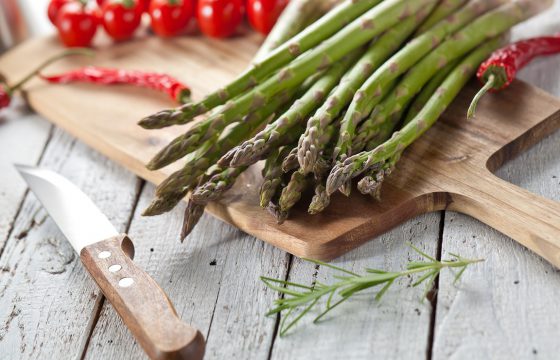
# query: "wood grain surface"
{"type": "Point", "coordinates": [454, 174]}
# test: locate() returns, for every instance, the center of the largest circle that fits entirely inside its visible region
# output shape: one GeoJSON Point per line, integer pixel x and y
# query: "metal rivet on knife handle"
{"type": "Point", "coordinates": [104, 254]}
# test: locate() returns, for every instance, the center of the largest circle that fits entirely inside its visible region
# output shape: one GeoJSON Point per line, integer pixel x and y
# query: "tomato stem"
{"type": "Point", "coordinates": [49, 61]}
{"type": "Point", "coordinates": [487, 87]}
{"type": "Point", "coordinates": [128, 3]}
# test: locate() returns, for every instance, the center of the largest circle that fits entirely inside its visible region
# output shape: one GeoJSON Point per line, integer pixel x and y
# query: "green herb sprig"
{"type": "Point", "coordinates": [301, 297]}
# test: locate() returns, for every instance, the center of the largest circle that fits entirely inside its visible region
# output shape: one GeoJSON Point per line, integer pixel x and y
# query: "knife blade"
{"type": "Point", "coordinates": [107, 256]}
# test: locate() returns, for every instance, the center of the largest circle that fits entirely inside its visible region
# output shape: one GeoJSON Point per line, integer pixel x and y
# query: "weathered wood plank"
{"type": "Point", "coordinates": [47, 301]}
{"type": "Point", "coordinates": [506, 307]}
{"type": "Point", "coordinates": [28, 133]}
{"type": "Point", "coordinates": [212, 279]}
{"type": "Point", "coordinates": [396, 328]}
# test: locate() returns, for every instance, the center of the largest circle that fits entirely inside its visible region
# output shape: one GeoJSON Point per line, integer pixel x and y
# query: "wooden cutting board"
{"type": "Point", "coordinates": [449, 168]}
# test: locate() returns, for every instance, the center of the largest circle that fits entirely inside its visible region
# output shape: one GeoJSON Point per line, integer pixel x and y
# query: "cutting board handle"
{"type": "Point", "coordinates": [529, 219]}
{"type": "Point", "coordinates": [141, 303]}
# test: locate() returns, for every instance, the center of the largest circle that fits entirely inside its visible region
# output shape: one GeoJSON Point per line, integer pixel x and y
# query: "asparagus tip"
{"type": "Point", "coordinates": [367, 185]}
{"type": "Point", "coordinates": [320, 201]}
{"type": "Point", "coordinates": [336, 179]}
{"type": "Point", "coordinates": [154, 209]}
{"type": "Point", "coordinates": [193, 213]}
{"type": "Point", "coordinates": [278, 214]}
{"type": "Point", "coordinates": [346, 188]}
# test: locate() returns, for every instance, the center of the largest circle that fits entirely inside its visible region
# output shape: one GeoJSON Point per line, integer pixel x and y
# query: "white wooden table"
{"type": "Point", "coordinates": [504, 308]}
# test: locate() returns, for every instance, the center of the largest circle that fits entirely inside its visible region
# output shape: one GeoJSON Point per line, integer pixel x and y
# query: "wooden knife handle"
{"type": "Point", "coordinates": [531, 220]}
{"type": "Point", "coordinates": [141, 303]}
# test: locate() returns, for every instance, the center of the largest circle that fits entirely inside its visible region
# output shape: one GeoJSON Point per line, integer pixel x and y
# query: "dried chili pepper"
{"type": "Point", "coordinates": [5, 97]}
{"type": "Point", "coordinates": [501, 68]}
{"type": "Point", "coordinates": [7, 91]}
{"type": "Point", "coordinates": [107, 76]}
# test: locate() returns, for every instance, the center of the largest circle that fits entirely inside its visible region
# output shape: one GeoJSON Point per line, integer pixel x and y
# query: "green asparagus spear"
{"type": "Point", "coordinates": [252, 150]}
{"type": "Point", "coordinates": [443, 10]}
{"type": "Point", "coordinates": [273, 175]}
{"type": "Point", "coordinates": [371, 184]}
{"type": "Point", "coordinates": [329, 52]}
{"type": "Point", "coordinates": [298, 183]}
{"type": "Point", "coordinates": [290, 162]}
{"type": "Point", "coordinates": [162, 204]}
{"type": "Point", "coordinates": [200, 162]}
{"type": "Point", "coordinates": [381, 120]}
{"type": "Point", "coordinates": [438, 103]}
{"type": "Point", "coordinates": [378, 129]}
{"type": "Point", "coordinates": [289, 138]}
{"type": "Point", "coordinates": [193, 213]}
{"type": "Point", "coordinates": [217, 181]}
{"type": "Point", "coordinates": [291, 194]}
{"type": "Point", "coordinates": [310, 146]}
{"type": "Point", "coordinates": [172, 190]}
{"type": "Point", "coordinates": [297, 15]}
{"type": "Point", "coordinates": [428, 90]}
{"type": "Point", "coordinates": [312, 36]}
{"type": "Point", "coordinates": [320, 201]}
{"type": "Point", "coordinates": [487, 26]}
{"type": "Point", "coordinates": [274, 210]}
{"type": "Point", "coordinates": [211, 189]}
{"type": "Point", "coordinates": [351, 37]}
{"type": "Point", "coordinates": [374, 89]}
{"type": "Point", "coordinates": [216, 186]}
{"type": "Point", "coordinates": [182, 146]}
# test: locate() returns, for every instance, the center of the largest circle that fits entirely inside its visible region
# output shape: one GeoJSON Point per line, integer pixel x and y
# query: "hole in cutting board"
{"type": "Point", "coordinates": [537, 169]}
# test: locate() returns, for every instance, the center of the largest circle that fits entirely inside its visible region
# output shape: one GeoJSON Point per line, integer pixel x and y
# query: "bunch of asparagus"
{"type": "Point", "coordinates": [340, 100]}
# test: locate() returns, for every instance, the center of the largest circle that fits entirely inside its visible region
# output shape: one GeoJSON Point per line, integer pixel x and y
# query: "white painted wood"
{"type": "Point", "coordinates": [506, 308]}
{"type": "Point", "coordinates": [23, 136]}
{"type": "Point", "coordinates": [47, 301]}
{"type": "Point", "coordinates": [396, 328]}
{"type": "Point", "coordinates": [212, 279]}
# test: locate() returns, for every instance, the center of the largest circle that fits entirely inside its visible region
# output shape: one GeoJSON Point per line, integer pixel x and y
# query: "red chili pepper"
{"type": "Point", "coordinates": [5, 97]}
{"type": "Point", "coordinates": [106, 76]}
{"type": "Point", "coordinates": [501, 68]}
{"type": "Point", "coordinates": [6, 91]}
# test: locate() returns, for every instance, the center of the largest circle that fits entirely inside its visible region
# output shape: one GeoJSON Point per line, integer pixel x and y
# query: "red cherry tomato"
{"type": "Point", "coordinates": [100, 2]}
{"type": "Point", "coordinates": [146, 4]}
{"type": "Point", "coordinates": [54, 8]}
{"type": "Point", "coordinates": [76, 25]}
{"type": "Point", "coordinates": [122, 18]}
{"type": "Point", "coordinates": [169, 18]}
{"type": "Point", "coordinates": [220, 18]}
{"type": "Point", "coordinates": [263, 14]}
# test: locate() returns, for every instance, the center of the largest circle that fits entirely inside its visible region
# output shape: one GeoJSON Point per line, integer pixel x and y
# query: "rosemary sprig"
{"type": "Point", "coordinates": [300, 297]}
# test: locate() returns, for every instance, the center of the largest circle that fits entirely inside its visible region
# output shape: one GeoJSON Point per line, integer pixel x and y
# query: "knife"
{"type": "Point", "coordinates": [107, 255]}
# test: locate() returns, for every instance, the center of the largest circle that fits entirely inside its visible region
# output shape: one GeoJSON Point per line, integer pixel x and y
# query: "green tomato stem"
{"type": "Point", "coordinates": [128, 3]}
